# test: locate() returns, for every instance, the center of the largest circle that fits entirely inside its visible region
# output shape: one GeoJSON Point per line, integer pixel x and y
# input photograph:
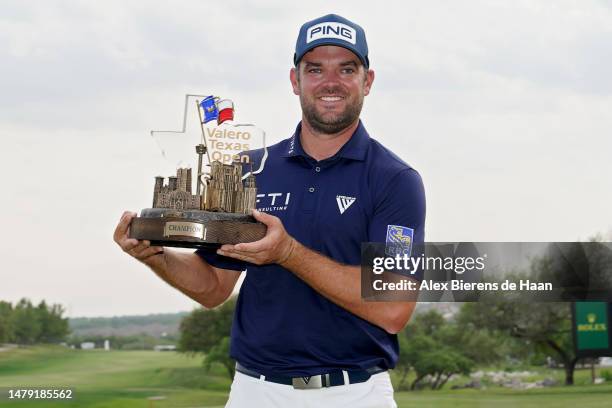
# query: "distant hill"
{"type": "Point", "coordinates": [157, 324]}
{"type": "Point", "coordinates": [153, 324]}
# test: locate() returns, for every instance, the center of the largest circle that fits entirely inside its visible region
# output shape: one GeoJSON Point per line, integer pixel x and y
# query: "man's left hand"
{"type": "Point", "coordinates": [275, 247]}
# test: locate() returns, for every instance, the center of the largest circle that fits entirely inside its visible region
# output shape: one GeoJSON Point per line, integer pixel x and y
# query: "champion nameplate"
{"type": "Point", "coordinates": [184, 229]}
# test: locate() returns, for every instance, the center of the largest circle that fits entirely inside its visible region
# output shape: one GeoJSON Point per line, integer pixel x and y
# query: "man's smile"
{"type": "Point", "coordinates": [331, 98]}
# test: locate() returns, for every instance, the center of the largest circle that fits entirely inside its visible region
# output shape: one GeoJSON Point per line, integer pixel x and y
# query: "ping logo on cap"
{"type": "Point", "coordinates": [331, 30]}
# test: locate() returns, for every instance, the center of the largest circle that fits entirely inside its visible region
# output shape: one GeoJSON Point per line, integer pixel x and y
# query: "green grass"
{"type": "Point", "coordinates": [113, 379]}
{"type": "Point", "coordinates": [561, 397]}
{"type": "Point", "coordinates": [128, 378]}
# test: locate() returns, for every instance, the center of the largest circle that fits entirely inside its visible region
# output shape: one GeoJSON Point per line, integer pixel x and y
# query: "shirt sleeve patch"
{"type": "Point", "coordinates": [399, 240]}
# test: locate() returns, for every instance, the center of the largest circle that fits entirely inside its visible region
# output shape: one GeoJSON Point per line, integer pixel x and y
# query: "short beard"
{"type": "Point", "coordinates": [335, 124]}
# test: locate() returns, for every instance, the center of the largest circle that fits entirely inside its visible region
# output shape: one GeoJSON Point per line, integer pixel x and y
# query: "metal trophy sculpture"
{"type": "Point", "coordinates": [219, 211]}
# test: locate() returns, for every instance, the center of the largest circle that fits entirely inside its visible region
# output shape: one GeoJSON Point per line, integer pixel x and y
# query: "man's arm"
{"type": "Point", "coordinates": [337, 282]}
{"type": "Point", "coordinates": [188, 273]}
{"type": "Point", "coordinates": [342, 285]}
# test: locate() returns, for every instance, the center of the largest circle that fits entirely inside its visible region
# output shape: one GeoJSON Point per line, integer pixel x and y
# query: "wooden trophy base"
{"type": "Point", "coordinates": [194, 228]}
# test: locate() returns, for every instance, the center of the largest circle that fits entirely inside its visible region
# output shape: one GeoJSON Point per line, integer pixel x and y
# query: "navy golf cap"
{"type": "Point", "coordinates": [332, 29]}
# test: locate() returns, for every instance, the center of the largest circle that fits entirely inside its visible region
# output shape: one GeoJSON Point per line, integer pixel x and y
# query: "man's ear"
{"type": "Point", "coordinates": [369, 80]}
{"type": "Point", "coordinates": [295, 82]}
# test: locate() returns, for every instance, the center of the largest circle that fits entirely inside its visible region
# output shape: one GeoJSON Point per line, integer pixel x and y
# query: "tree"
{"type": "Point", "coordinates": [203, 328]}
{"type": "Point", "coordinates": [6, 322]}
{"type": "Point", "coordinates": [220, 354]}
{"type": "Point", "coordinates": [207, 331]}
{"type": "Point", "coordinates": [580, 270]}
{"type": "Point", "coordinates": [434, 348]}
{"type": "Point", "coordinates": [412, 346]}
{"type": "Point", "coordinates": [53, 327]}
{"type": "Point", "coordinates": [479, 344]}
{"type": "Point", "coordinates": [440, 364]}
{"type": "Point", "coordinates": [26, 324]}
{"type": "Point", "coordinates": [544, 325]}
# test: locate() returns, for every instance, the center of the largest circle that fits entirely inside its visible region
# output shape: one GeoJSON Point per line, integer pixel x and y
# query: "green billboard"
{"type": "Point", "coordinates": [591, 324]}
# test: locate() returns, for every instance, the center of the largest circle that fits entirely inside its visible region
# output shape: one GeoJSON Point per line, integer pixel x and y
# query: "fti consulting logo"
{"type": "Point", "coordinates": [399, 240]}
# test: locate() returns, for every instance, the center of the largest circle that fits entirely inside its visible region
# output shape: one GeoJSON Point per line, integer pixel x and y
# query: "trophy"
{"type": "Point", "coordinates": [219, 211]}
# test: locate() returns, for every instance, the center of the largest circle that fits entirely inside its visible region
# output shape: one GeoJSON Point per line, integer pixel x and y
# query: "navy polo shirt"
{"type": "Point", "coordinates": [281, 325]}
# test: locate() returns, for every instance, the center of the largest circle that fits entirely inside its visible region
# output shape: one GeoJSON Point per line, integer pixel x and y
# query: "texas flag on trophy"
{"type": "Point", "coordinates": [226, 110]}
{"type": "Point", "coordinates": [219, 109]}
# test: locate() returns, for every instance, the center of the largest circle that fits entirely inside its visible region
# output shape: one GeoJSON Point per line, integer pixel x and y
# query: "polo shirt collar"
{"type": "Point", "coordinates": [355, 148]}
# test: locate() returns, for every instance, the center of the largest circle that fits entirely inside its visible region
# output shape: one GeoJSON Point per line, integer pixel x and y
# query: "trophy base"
{"type": "Point", "coordinates": [194, 228]}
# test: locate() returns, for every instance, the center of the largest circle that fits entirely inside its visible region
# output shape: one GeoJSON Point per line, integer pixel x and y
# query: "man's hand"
{"type": "Point", "coordinates": [276, 247]}
{"type": "Point", "coordinates": [141, 250]}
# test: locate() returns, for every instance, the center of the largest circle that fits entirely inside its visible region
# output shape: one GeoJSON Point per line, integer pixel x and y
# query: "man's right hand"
{"type": "Point", "coordinates": [152, 256]}
{"type": "Point", "coordinates": [187, 272]}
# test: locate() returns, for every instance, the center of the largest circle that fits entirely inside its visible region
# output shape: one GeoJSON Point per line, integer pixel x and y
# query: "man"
{"type": "Point", "coordinates": [301, 331]}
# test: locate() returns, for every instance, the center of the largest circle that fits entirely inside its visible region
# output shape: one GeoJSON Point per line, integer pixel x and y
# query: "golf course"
{"type": "Point", "coordinates": [167, 379]}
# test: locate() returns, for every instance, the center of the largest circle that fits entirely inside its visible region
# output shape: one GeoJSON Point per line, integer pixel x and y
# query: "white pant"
{"type": "Point", "coordinates": [247, 391]}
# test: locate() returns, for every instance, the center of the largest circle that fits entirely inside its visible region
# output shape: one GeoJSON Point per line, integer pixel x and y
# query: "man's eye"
{"type": "Point", "coordinates": [314, 70]}
{"type": "Point", "coordinates": [348, 70]}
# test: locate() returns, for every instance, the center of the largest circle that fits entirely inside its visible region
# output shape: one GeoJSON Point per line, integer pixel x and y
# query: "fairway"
{"type": "Point", "coordinates": [128, 378]}
{"type": "Point", "coordinates": [113, 378]}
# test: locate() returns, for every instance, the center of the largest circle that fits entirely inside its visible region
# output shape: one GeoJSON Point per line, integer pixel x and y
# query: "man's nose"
{"type": "Point", "coordinates": [331, 79]}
